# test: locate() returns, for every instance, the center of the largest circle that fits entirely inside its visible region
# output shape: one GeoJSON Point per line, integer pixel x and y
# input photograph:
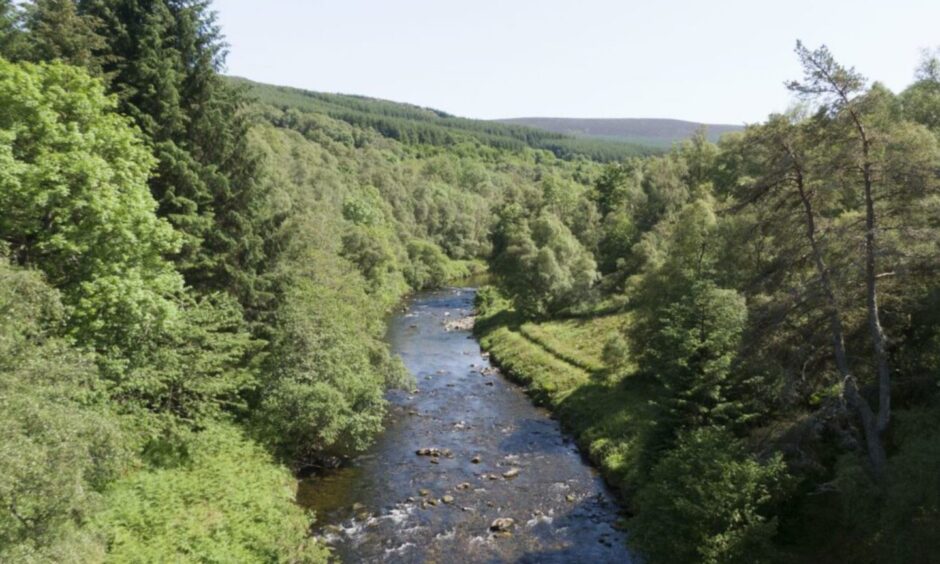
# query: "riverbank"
{"type": "Point", "coordinates": [596, 397]}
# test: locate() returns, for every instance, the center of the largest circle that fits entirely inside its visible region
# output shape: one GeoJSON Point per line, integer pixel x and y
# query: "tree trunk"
{"type": "Point", "coordinates": [870, 427]}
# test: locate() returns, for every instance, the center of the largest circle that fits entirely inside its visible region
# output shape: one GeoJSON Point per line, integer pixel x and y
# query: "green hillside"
{"type": "Point", "coordinates": [412, 124]}
{"type": "Point", "coordinates": [662, 133]}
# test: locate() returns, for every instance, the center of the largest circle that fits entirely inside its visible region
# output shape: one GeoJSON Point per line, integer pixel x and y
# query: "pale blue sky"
{"type": "Point", "coordinates": [718, 61]}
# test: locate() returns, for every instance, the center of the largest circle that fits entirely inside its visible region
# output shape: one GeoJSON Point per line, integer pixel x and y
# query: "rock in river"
{"type": "Point", "coordinates": [502, 524]}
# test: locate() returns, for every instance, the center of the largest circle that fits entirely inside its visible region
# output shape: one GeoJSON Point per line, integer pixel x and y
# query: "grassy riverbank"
{"type": "Point", "coordinates": [562, 364]}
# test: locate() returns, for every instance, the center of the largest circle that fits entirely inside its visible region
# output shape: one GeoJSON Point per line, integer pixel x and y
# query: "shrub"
{"type": "Point", "coordinates": [706, 501]}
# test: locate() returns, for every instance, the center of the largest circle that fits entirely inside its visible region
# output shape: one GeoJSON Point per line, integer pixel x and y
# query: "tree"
{"type": "Point", "coordinates": [921, 100]}
{"type": "Point", "coordinates": [11, 35]}
{"type": "Point", "coordinates": [76, 205]}
{"type": "Point", "coordinates": [55, 31]}
{"type": "Point", "coordinates": [540, 264]}
{"type": "Point", "coordinates": [61, 443]}
{"type": "Point", "coordinates": [877, 163]}
{"type": "Point", "coordinates": [707, 501]}
{"type": "Point", "coordinates": [687, 329]}
{"type": "Point", "coordinates": [163, 58]}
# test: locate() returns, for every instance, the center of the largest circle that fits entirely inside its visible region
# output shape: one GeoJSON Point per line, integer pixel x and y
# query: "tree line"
{"type": "Point", "coordinates": [195, 282]}
{"type": "Point", "coordinates": [782, 287]}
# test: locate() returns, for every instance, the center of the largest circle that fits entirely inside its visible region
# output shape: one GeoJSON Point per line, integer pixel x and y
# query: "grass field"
{"type": "Point", "coordinates": [561, 364]}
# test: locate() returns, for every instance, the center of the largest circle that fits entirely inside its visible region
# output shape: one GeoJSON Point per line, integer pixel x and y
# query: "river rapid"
{"type": "Point", "coordinates": [494, 455]}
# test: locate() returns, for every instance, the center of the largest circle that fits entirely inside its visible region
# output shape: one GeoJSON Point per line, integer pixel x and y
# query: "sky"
{"type": "Point", "coordinates": [718, 61]}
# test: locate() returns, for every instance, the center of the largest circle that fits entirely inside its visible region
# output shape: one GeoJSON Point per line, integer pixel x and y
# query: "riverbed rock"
{"type": "Point", "coordinates": [511, 473]}
{"type": "Point", "coordinates": [502, 524]}
{"type": "Point", "coordinates": [432, 502]}
{"type": "Point", "coordinates": [424, 492]}
{"type": "Point", "coordinates": [570, 498]}
{"type": "Point", "coordinates": [476, 460]}
{"type": "Point", "coordinates": [448, 499]}
{"type": "Point", "coordinates": [463, 486]}
{"type": "Point", "coordinates": [462, 324]}
{"type": "Point", "coordinates": [435, 452]}
{"type": "Point", "coordinates": [435, 461]}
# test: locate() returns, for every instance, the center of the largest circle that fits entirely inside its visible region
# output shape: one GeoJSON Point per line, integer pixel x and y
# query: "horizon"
{"type": "Point", "coordinates": [704, 64]}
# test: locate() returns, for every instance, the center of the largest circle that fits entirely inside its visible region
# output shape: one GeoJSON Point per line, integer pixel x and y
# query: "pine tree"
{"type": "Point", "coordinates": [164, 58]}
{"type": "Point", "coordinates": [54, 30]}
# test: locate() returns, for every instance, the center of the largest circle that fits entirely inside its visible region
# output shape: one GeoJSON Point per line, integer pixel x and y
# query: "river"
{"type": "Point", "coordinates": [389, 504]}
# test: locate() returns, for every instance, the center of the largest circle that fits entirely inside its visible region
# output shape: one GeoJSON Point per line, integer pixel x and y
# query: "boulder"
{"type": "Point", "coordinates": [502, 524]}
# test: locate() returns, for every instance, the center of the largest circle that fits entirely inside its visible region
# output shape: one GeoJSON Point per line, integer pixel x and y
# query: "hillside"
{"type": "Point", "coordinates": [412, 124]}
{"type": "Point", "coordinates": [640, 131]}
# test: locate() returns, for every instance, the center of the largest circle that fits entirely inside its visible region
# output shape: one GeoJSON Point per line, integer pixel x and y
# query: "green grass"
{"type": "Point", "coordinates": [561, 365]}
{"type": "Point", "coordinates": [576, 341]}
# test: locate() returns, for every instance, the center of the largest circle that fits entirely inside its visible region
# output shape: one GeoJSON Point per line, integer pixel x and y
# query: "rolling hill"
{"type": "Point", "coordinates": [662, 133]}
{"type": "Point", "coordinates": [412, 124]}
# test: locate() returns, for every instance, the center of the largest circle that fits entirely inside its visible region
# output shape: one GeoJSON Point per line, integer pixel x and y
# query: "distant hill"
{"type": "Point", "coordinates": [417, 125]}
{"type": "Point", "coordinates": [662, 133]}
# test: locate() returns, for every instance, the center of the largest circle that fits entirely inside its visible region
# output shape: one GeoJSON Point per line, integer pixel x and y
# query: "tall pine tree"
{"type": "Point", "coordinates": [163, 58]}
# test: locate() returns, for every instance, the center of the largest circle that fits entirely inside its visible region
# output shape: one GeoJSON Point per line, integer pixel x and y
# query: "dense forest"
{"type": "Point", "coordinates": [663, 133]}
{"type": "Point", "coordinates": [746, 341]}
{"type": "Point", "coordinates": [196, 272]}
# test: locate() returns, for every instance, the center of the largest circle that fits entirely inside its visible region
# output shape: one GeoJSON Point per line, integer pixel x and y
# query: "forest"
{"type": "Point", "coordinates": [196, 271]}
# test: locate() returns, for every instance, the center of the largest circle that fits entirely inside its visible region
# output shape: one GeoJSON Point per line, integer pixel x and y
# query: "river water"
{"type": "Point", "coordinates": [389, 505]}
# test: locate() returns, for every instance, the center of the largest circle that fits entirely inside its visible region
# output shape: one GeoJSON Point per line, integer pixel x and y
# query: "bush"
{"type": "Point", "coordinates": [59, 444]}
{"type": "Point", "coordinates": [706, 501]}
{"type": "Point", "coordinates": [542, 266]}
{"type": "Point", "coordinates": [228, 503]}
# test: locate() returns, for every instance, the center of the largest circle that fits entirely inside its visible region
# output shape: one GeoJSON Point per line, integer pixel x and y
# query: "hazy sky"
{"type": "Point", "coordinates": [711, 61]}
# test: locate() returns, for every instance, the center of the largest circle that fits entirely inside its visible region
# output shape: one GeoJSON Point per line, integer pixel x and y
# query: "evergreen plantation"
{"type": "Point", "coordinates": [195, 274]}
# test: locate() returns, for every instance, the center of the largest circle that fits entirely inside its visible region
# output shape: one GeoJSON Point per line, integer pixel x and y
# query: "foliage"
{"type": "Point", "coordinates": [162, 60]}
{"type": "Point", "coordinates": [328, 369]}
{"type": "Point", "coordinates": [705, 501]}
{"type": "Point", "coordinates": [76, 205]}
{"type": "Point", "coordinates": [411, 124]}
{"type": "Point", "coordinates": [227, 503]}
{"type": "Point", "coordinates": [541, 264]}
{"type": "Point", "coordinates": [194, 279]}
{"type": "Point", "coordinates": [60, 444]}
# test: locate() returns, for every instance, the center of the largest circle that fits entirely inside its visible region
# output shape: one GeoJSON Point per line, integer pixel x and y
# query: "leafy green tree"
{"type": "Point", "coordinates": [11, 35]}
{"type": "Point", "coordinates": [76, 205]}
{"type": "Point", "coordinates": [689, 328]}
{"type": "Point", "coordinates": [707, 500]}
{"type": "Point", "coordinates": [921, 100]}
{"type": "Point", "coordinates": [541, 265]}
{"type": "Point", "coordinates": [198, 368]}
{"type": "Point", "coordinates": [163, 58]}
{"type": "Point", "coordinates": [61, 444]}
{"type": "Point", "coordinates": [428, 265]}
